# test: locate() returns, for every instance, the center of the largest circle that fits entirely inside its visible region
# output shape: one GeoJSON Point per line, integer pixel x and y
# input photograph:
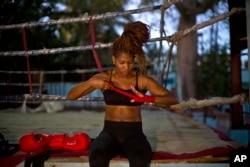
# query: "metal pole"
{"type": "Point", "coordinates": [248, 39]}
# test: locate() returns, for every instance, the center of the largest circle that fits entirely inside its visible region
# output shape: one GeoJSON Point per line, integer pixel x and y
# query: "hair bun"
{"type": "Point", "coordinates": [137, 31]}
{"type": "Point", "coordinates": [131, 42]}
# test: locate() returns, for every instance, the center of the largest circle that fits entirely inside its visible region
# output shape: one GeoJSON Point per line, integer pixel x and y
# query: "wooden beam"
{"type": "Point", "coordinates": [237, 25]}
{"type": "Point", "coordinates": [248, 39]}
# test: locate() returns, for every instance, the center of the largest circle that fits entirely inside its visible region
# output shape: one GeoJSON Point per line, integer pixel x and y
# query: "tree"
{"type": "Point", "coordinates": [187, 47]}
{"type": "Point", "coordinates": [212, 73]}
{"type": "Point", "coordinates": [74, 34]}
{"type": "Point", "coordinates": [21, 11]}
{"type": "Point", "coordinates": [54, 36]}
{"type": "Point", "coordinates": [79, 33]}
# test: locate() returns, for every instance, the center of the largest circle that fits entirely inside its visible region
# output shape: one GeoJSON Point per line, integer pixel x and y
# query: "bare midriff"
{"type": "Point", "coordinates": [123, 113]}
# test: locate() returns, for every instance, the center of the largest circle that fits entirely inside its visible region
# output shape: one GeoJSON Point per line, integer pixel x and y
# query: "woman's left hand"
{"type": "Point", "coordinates": [136, 91]}
{"type": "Point", "coordinates": [142, 97]}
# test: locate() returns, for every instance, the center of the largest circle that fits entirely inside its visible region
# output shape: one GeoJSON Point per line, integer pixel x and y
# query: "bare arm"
{"type": "Point", "coordinates": [162, 95]}
{"type": "Point", "coordinates": [80, 90]}
{"type": "Point", "coordinates": [95, 82]}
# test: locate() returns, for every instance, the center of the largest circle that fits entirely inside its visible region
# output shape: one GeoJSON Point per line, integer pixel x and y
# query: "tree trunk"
{"type": "Point", "coordinates": [186, 56]}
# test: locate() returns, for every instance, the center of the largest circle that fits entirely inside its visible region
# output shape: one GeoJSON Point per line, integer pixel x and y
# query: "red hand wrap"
{"type": "Point", "coordinates": [144, 99]}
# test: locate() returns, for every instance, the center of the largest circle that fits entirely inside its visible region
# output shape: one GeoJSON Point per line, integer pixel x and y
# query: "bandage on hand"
{"type": "Point", "coordinates": [142, 99]}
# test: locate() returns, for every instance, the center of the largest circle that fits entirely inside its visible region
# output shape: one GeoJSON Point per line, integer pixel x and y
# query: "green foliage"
{"type": "Point", "coordinates": [213, 75]}
{"type": "Point", "coordinates": [79, 33]}
{"type": "Point", "coordinates": [152, 51]}
{"type": "Point", "coordinates": [74, 34]}
{"type": "Point", "coordinates": [21, 11]}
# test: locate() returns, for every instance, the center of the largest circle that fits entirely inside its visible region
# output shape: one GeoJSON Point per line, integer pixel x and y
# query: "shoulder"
{"type": "Point", "coordinates": [151, 85]}
{"type": "Point", "coordinates": [102, 75]}
{"type": "Point", "coordinates": [145, 78]}
{"type": "Point", "coordinates": [145, 81]}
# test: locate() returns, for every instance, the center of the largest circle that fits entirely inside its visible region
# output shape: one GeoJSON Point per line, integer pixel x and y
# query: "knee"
{"type": "Point", "coordinates": [139, 163]}
{"type": "Point", "coordinates": [140, 160]}
{"type": "Point", "coordinates": [98, 158]}
{"type": "Point", "coordinates": [98, 162]}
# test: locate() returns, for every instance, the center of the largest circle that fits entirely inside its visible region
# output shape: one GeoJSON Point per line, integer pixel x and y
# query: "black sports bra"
{"type": "Point", "coordinates": [113, 98]}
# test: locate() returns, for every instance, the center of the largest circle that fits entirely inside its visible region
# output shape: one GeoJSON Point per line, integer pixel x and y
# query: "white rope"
{"type": "Point", "coordinates": [18, 84]}
{"type": "Point", "coordinates": [42, 97]}
{"type": "Point", "coordinates": [35, 97]}
{"type": "Point", "coordinates": [181, 34]}
{"type": "Point", "coordinates": [38, 98]}
{"type": "Point", "coordinates": [79, 19]}
{"type": "Point", "coordinates": [54, 50]}
{"type": "Point", "coordinates": [45, 51]}
{"type": "Point", "coordinates": [190, 104]}
{"type": "Point", "coordinates": [107, 15]}
{"type": "Point", "coordinates": [76, 71]}
{"type": "Point", "coordinates": [173, 38]}
{"type": "Point", "coordinates": [193, 103]}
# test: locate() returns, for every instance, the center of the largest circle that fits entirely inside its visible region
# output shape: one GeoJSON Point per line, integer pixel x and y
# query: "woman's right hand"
{"type": "Point", "coordinates": [98, 81]}
{"type": "Point", "coordinates": [101, 83]}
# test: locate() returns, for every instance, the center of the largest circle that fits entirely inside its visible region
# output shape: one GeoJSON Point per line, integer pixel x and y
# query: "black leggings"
{"type": "Point", "coordinates": [125, 138]}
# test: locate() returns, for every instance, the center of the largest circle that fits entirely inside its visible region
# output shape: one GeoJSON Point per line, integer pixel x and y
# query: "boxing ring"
{"type": "Point", "coordinates": [176, 139]}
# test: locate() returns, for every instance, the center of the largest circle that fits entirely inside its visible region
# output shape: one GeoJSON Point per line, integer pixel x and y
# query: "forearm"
{"type": "Point", "coordinates": [80, 90]}
{"type": "Point", "coordinates": [167, 100]}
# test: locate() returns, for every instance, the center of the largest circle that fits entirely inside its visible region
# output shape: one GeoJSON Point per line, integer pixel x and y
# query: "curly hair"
{"type": "Point", "coordinates": [135, 34]}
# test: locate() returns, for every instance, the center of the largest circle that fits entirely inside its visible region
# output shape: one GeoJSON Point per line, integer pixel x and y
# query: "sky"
{"type": "Point", "coordinates": [171, 23]}
{"type": "Point", "coordinates": [152, 18]}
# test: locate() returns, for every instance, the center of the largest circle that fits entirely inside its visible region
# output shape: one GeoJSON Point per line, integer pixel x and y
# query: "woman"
{"type": "Point", "coordinates": [124, 91]}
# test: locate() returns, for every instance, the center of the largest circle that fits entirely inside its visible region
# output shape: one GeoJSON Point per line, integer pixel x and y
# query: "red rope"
{"type": "Point", "coordinates": [92, 34]}
{"type": "Point", "coordinates": [27, 59]}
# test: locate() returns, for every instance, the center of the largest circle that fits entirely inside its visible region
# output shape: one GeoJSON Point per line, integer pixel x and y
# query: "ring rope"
{"type": "Point", "coordinates": [42, 97]}
{"type": "Point", "coordinates": [180, 34]}
{"type": "Point", "coordinates": [107, 15]}
{"type": "Point", "coordinates": [98, 45]}
{"type": "Point", "coordinates": [18, 84]}
{"type": "Point", "coordinates": [159, 57]}
{"type": "Point", "coordinates": [77, 71]}
{"type": "Point", "coordinates": [173, 38]}
{"type": "Point", "coordinates": [92, 35]}
{"type": "Point", "coordinates": [55, 50]}
{"type": "Point", "coordinates": [180, 107]}
{"type": "Point", "coordinates": [25, 45]}
{"type": "Point", "coordinates": [193, 103]}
